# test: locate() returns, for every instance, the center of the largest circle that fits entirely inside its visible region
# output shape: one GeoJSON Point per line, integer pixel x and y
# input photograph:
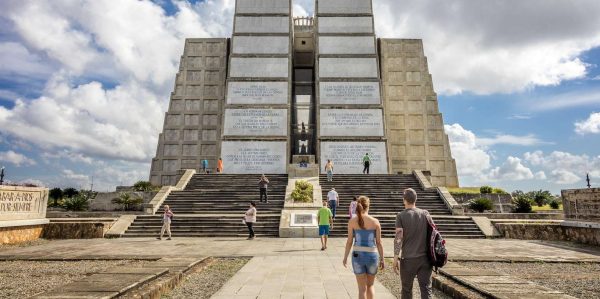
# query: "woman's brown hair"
{"type": "Point", "coordinates": [362, 205]}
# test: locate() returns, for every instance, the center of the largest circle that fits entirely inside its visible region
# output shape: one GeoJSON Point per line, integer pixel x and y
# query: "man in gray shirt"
{"type": "Point", "coordinates": [410, 247]}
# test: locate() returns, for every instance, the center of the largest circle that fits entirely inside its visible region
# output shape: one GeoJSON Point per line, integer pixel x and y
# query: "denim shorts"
{"type": "Point", "coordinates": [323, 230]}
{"type": "Point", "coordinates": [365, 262]}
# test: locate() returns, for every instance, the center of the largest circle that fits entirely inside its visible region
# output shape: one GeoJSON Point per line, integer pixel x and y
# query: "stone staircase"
{"type": "Point", "coordinates": [213, 205]}
{"type": "Point", "coordinates": [385, 193]}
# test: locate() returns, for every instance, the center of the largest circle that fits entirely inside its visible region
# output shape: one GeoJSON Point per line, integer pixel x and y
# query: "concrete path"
{"type": "Point", "coordinates": [296, 276]}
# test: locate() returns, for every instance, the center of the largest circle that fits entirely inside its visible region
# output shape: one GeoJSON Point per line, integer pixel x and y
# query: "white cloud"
{"type": "Point", "coordinates": [565, 168]}
{"type": "Point", "coordinates": [16, 60]}
{"type": "Point", "coordinates": [590, 125]}
{"type": "Point", "coordinates": [540, 175]}
{"type": "Point", "coordinates": [15, 159]}
{"type": "Point", "coordinates": [471, 157]}
{"type": "Point", "coordinates": [566, 100]}
{"type": "Point", "coordinates": [564, 177]}
{"type": "Point", "coordinates": [511, 170]}
{"type": "Point", "coordinates": [521, 116]}
{"type": "Point", "coordinates": [526, 140]}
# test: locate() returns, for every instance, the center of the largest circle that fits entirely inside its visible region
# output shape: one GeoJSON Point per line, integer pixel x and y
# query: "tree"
{"type": "Point", "coordinates": [522, 203]}
{"type": "Point", "coordinates": [56, 194]}
{"type": "Point", "coordinates": [127, 200]}
{"type": "Point", "coordinates": [143, 186]}
{"type": "Point", "coordinates": [481, 205]}
{"type": "Point", "coordinates": [541, 197]}
{"type": "Point", "coordinates": [79, 202]}
{"type": "Point", "coordinates": [70, 192]}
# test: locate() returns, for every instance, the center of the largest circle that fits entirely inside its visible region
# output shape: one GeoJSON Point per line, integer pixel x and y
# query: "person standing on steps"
{"type": "Point", "coordinates": [329, 170]}
{"type": "Point", "coordinates": [205, 166]}
{"type": "Point", "coordinates": [166, 220]}
{"type": "Point", "coordinates": [220, 166]}
{"type": "Point", "coordinates": [352, 209]}
{"type": "Point", "coordinates": [410, 247]}
{"type": "Point", "coordinates": [250, 219]}
{"type": "Point", "coordinates": [366, 163]}
{"type": "Point", "coordinates": [333, 197]}
{"type": "Point", "coordinates": [325, 219]}
{"type": "Point", "coordinates": [367, 252]}
{"type": "Point", "coordinates": [263, 184]}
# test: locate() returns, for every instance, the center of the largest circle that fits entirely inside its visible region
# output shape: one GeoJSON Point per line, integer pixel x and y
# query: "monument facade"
{"type": "Point", "coordinates": [284, 88]}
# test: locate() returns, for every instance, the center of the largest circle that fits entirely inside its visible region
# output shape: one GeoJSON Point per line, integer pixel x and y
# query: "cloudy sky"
{"type": "Point", "coordinates": [84, 84]}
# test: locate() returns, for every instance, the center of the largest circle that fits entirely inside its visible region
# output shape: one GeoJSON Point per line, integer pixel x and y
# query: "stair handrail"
{"type": "Point", "coordinates": [161, 196]}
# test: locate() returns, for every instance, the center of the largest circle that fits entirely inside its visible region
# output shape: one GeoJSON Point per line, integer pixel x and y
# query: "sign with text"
{"type": "Point", "coordinates": [351, 122]}
{"type": "Point", "coordinates": [255, 122]}
{"type": "Point", "coordinates": [257, 157]}
{"type": "Point", "coordinates": [347, 157]}
{"type": "Point", "coordinates": [259, 93]}
{"type": "Point", "coordinates": [349, 93]}
{"type": "Point", "coordinates": [21, 203]}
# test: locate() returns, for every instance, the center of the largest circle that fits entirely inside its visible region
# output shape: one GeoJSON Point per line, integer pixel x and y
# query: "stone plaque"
{"type": "Point", "coordinates": [254, 157]}
{"type": "Point", "coordinates": [261, 44]}
{"type": "Point", "coordinates": [249, 67]}
{"type": "Point", "coordinates": [347, 156]}
{"type": "Point", "coordinates": [347, 45]}
{"type": "Point", "coordinates": [348, 93]}
{"type": "Point", "coordinates": [262, 25]}
{"type": "Point", "coordinates": [263, 6]}
{"type": "Point", "coordinates": [22, 203]}
{"type": "Point", "coordinates": [345, 25]}
{"type": "Point", "coordinates": [351, 122]}
{"type": "Point", "coordinates": [345, 7]}
{"type": "Point", "coordinates": [303, 219]}
{"type": "Point", "coordinates": [255, 122]}
{"type": "Point", "coordinates": [257, 93]}
{"type": "Point", "coordinates": [348, 67]}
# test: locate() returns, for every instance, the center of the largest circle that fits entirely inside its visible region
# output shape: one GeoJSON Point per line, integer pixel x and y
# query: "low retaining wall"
{"type": "Point", "coordinates": [69, 229]}
{"type": "Point", "coordinates": [532, 216]}
{"type": "Point", "coordinates": [550, 232]}
{"type": "Point", "coordinates": [581, 204]}
{"type": "Point", "coordinates": [502, 202]}
{"type": "Point", "coordinates": [19, 234]}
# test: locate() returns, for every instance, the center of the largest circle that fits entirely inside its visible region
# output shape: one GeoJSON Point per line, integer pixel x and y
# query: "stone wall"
{"type": "Point", "coordinates": [192, 125]}
{"type": "Point", "coordinates": [550, 232]}
{"type": "Point", "coordinates": [20, 234]}
{"type": "Point", "coordinates": [76, 229]}
{"type": "Point", "coordinates": [414, 124]}
{"type": "Point", "coordinates": [103, 200]}
{"type": "Point", "coordinates": [581, 203]}
{"type": "Point", "coordinates": [502, 202]}
{"type": "Point", "coordinates": [22, 213]}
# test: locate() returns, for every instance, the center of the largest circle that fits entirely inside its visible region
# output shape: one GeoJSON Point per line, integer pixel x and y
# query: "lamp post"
{"type": "Point", "coordinates": [2, 175]}
{"type": "Point", "coordinates": [588, 181]}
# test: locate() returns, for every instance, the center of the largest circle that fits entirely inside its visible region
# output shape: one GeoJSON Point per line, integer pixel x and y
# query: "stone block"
{"type": "Point", "coordinates": [259, 67]}
{"type": "Point", "coordinates": [344, 7]}
{"type": "Point", "coordinates": [256, 122]}
{"type": "Point", "coordinates": [348, 68]}
{"type": "Point", "coordinates": [345, 25]}
{"type": "Point", "coordinates": [22, 203]}
{"type": "Point", "coordinates": [351, 122]}
{"type": "Point", "coordinates": [262, 6]}
{"type": "Point", "coordinates": [261, 45]}
{"type": "Point", "coordinates": [262, 25]}
{"type": "Point", "coordinates": [349, 93]}
{"type": "Point", "coordinates": [347, 156]}
{"type": "Point", "coordinates": [248, 93]}
{"type": "Point", "coordinates": [347, 45]}
{"type": "Point", "coordinates": [254, 157]}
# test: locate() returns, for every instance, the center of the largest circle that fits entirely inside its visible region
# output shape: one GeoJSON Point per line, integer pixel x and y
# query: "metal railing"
{"type": "Point", "coordinates": [304, 23]}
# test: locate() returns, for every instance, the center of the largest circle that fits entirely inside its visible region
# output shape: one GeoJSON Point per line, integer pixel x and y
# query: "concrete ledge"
{"type": "Point", "coordinates": [550, 232]}
{"type": "Point", "coordinates": [455, 207]}
{"type": "Point", "coordinates": [26, 222]}
{"type": "Point", "coordinates": [159, 198]}
{"type": "Point", "coordinates": [423, 181]}
{"type": "Point", "coordinates": [287, 231]}
{"type": "Point", "coordinates": [486, 227]}
{"type": "Point", "coordinates": [119, 228]}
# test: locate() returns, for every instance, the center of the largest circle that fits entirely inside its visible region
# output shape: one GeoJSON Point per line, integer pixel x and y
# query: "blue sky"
{"type": "Point", "coordinates": [83, 88]}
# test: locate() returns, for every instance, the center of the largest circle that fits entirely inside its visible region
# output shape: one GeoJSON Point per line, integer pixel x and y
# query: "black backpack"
{"type": "Point", "coordinates": [436, 246]}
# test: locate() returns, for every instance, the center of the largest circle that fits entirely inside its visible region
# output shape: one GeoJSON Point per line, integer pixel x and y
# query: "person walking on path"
{"type": "Point", "coordinates": [366, 163]}
{"type": "Point", "coordinates": [367, 252]}
{"type": "Point", "coordinates": [325, 218]}
{"type": "Point", "coordinates": [250, 219]}
{"type": "Point", "coordinates": [333, 197]}
{"type": "Point", "coordinates": [352, 209]}
{"type": "Point", "coordinates": [263, 184]}
{"type": "Point", "coordinates": [205, 166]}
{"type": "Point", "coordinates": [167, 217]}
{"type": "Point", "coordinates": [410, 247]}
{"type": "Point", "coordinates": [329, 170]}
{"type": "Point", "coordinates": [220, 166]}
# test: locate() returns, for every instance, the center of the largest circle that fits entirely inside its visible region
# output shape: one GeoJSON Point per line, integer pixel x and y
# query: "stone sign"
{"type": "Point", "coordinates": [345, 25]}
{"type": "Point", "coordinates": [261, 44]}
{"type": "Point", "coordinates": [20, 203]}
{"type": "Point", "coordinates": [246, 93]}
{"type": "Point", "coordinates": [251, 67]}
{"type": "Point", "coordinates": [345, 7]}
{"type": "Point", "coordinates": [262, 25]}
{"type": "Point", "coordinates": [347, 156]}
{"type": "Point", "coordinates": [581, 204]}
{"type": "Point", "coordinates": [348, 68]}
{"type": "Point", "coordinates": [351, 122]}
{"type": "Point", "coordinates": [255, 122]}
{"type": "Point", "coordinates": [303, 219]}
{"type": "Point", "coordinates": [347, 45]}
{"type": "Point", "coordinates": [263, 6]}
{"type": "Point", "coordinates": [349, 93]}
{"type": "Point", "coordinates": [254, 157]}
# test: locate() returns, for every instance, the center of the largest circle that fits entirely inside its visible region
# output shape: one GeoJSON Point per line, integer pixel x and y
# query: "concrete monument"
{"type": "Point", "coordinates": [22, 213]}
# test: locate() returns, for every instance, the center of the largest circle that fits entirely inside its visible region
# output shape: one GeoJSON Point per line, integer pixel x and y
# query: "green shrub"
{"type": "Point", "coordinates": [499, 191]}
{"type": "Point", "coordinates": [522, 204]}
{"type": "Point", "coordinates": [481, 205]}
{"type": "Point", "coordinates": [56, 194]}
{"type": "Point", "coordinates": [79, 202]}
{"type": "Point", "coordinates": [303, 191]}
{"type": "Point", "coordinates": [541, 197]}
{"type": "Point", "coordinates": [127, 201]}
{"type": "Point", "coordinates": [486, 189]}
{"type": "Point", "coordinates": [144, 186]}
{"type": "Point", "coordinates": [70, 192]}
{"type": "Point", "coordinates": [554, 204]}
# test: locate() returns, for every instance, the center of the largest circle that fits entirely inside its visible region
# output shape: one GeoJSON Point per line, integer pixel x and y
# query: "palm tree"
{"type": "Point", "coordinates": [127, 200]}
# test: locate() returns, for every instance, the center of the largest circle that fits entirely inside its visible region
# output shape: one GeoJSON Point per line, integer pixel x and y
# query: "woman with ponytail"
{"type": "Point", "coordinates": [367, 252]}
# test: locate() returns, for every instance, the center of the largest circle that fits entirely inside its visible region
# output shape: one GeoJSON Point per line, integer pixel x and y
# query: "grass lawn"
{"type": "Point", "coordinates": [545, 208]}
{"type": "Point", "coordinates": [465, 190]}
